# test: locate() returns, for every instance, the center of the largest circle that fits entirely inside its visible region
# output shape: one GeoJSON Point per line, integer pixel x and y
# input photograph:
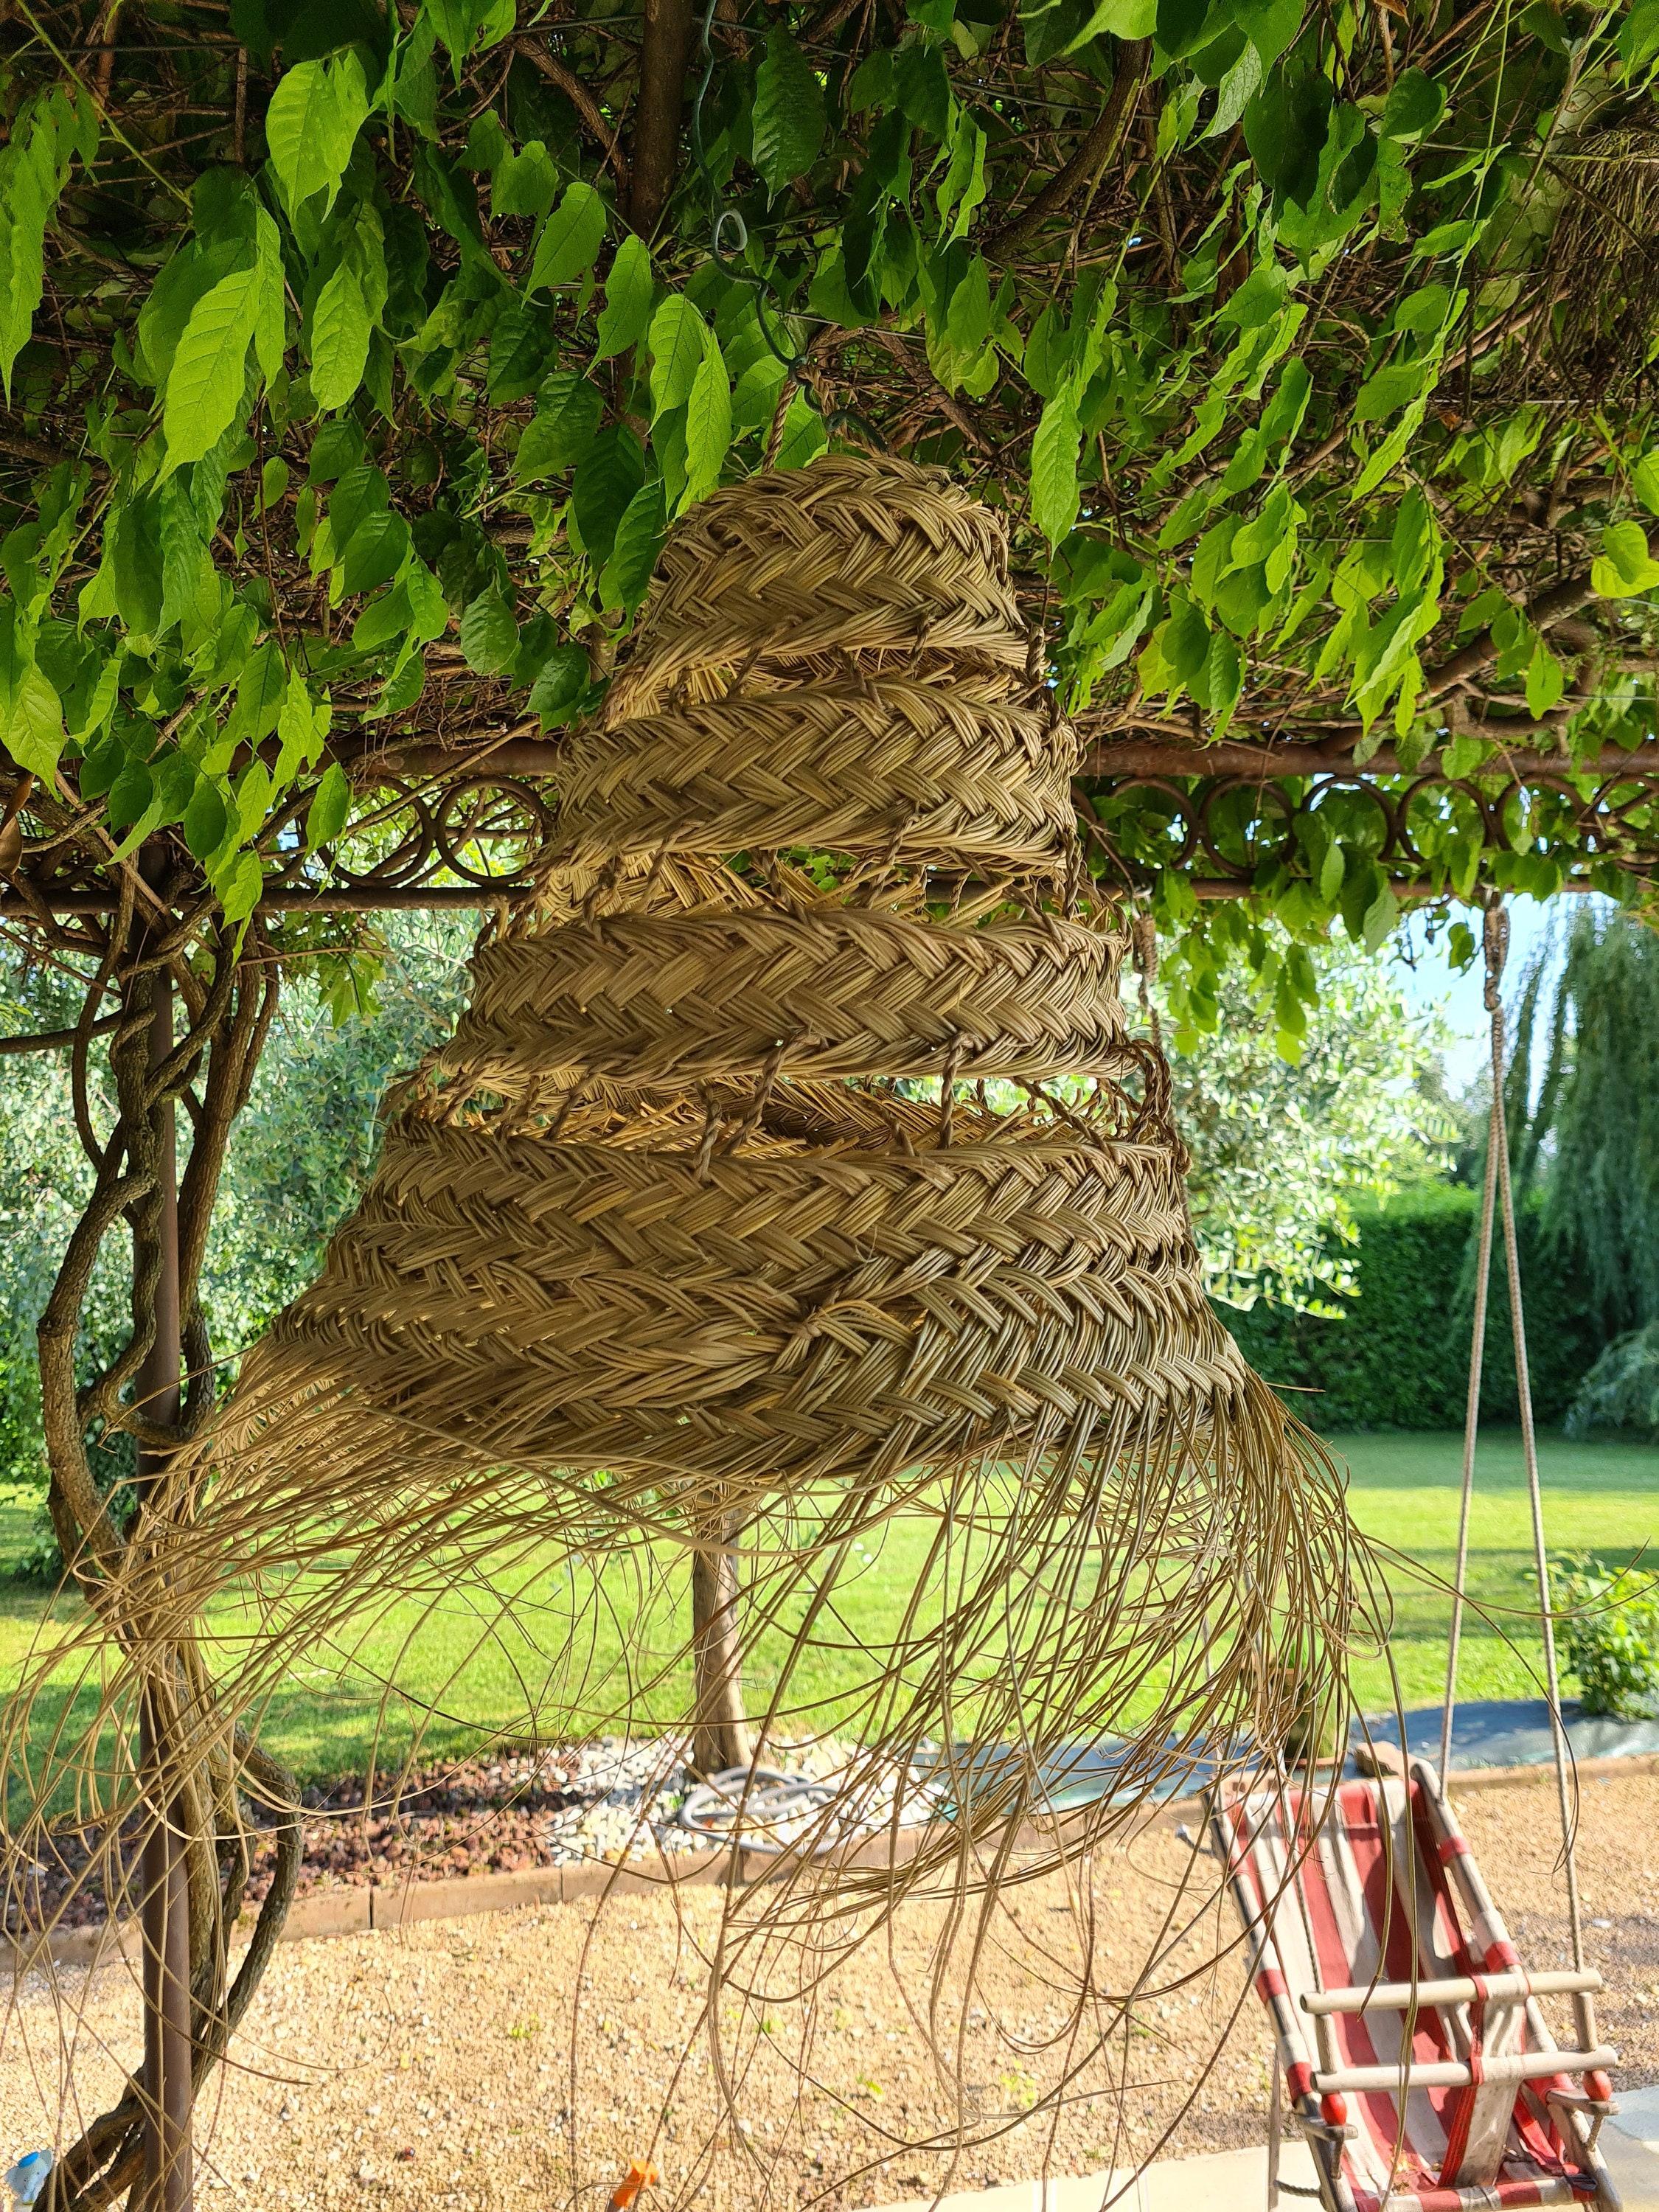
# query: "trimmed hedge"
{"type": "Point", "coordinates": [1399, 1359]}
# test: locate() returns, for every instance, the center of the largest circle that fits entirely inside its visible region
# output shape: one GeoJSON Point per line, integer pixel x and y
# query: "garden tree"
{"type": "Point", "coordinates": [301, 1151]}
{"type": "Point", "coordinates": [356, 359]}
{"type": "Point", "coordinates": [1283, 1151]}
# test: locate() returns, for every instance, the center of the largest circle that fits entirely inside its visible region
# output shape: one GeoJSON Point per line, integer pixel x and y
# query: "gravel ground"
{"type": "Point", "coordinates": [438, 2064]}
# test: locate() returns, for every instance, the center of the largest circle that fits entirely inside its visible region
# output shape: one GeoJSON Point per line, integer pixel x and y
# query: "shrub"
{"type": "Point", "coordinates": [1611, 1618]}
{"type": "Point", "coordinates": [1621, 1391]}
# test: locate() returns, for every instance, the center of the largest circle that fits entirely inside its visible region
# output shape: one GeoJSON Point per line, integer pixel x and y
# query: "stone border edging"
{"type": "Point", "coordinates": [324, 1914]}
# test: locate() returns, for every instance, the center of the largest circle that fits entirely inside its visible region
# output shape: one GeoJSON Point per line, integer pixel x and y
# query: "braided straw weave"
{"type": "Point", "coordinates": [874, 561]}
{"type": "Point", "coordinates": [830, 657]}
{"type": "Point", "coordinates": [892, 765]}
{"type": "Point", "coordinates": [769, 1323]}
{"type": "Point", "coordinates": [731, 1256]}
{"type": "Point", "coordinates": [671, 1000]}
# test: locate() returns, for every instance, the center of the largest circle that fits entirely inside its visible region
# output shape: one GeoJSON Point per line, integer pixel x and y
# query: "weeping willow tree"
{"type": "Point", "coordinates": [1598, 1115]}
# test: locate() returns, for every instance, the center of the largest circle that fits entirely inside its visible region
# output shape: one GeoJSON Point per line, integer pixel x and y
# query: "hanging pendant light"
{"type": "Point", "coordinates": [798, 1191]}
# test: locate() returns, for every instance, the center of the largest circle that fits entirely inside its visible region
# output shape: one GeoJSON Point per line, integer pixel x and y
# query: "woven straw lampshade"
{"type": "Point", "coordinates": [743, 1189]}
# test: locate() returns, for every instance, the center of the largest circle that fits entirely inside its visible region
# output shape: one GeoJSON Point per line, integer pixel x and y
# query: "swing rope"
{"type": "Point", "coordinates": [1499, 1188]}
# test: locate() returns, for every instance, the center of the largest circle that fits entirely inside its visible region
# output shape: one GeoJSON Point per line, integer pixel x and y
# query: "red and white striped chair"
{"type": "Point", "coordinates": [1415, 2052]}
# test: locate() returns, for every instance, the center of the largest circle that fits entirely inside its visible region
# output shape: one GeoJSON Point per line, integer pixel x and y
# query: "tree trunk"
{"type": "Point", "coordinates": [665, 51]}
{"type": "Point", "coordinates": [169, 2182]}
{"type": "Point", "coordinates": [719, 1735]}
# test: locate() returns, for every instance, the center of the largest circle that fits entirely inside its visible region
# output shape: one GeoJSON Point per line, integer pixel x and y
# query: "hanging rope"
{"type": "Point", "coordinates": [1499, 1186]}
{"type": "Point", "coordinates": [1497, 946]}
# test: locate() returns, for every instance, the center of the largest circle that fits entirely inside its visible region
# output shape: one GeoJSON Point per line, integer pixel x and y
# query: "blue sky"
{"type": "Point", "coordinates": [1433, 982]}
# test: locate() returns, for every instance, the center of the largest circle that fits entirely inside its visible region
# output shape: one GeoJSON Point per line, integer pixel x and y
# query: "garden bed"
{"type": "Point", "coordinates": [512, 1812]}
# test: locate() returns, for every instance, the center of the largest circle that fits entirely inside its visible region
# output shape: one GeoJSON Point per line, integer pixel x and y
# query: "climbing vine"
{"type": "Point", "coordinates": [357, 361]}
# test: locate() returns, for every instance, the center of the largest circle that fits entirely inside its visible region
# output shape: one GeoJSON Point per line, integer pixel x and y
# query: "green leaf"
{"type": "Point", "coordinates": [380, 621]}
{"type": "Point", "coordinates": [374, 552]}
{"type": "Point", "coordinates": [804, 435]}
{"type": "Point", "coordinates": [1186, 25]}
{"type": "Point", "coordinates": [708, 423]}
{"type": "Point", "coordinates": [1413, 107]}
{"type": "Point", "coordinates": [564, 428]}
{"type": "Point", "coordinates": [238, 885]}
{"type": "Point", "coordinates": [31, 179]}
{"type": "Point", "coordinates": [462, 23]}
{"type": "Point", "coordinates": [964, 188]}
{"type": "Point", "coordinates": [400, 691]}
{"type": "Point", "coordinates": [1389, 390]}
{"type": "Point", "coordinates": [206, 820]}
{"type": "Point", "coordinates": [301, 728]}
{"type": "Point", "coordinates": [489, 637]}
{"type": "Point", "coordinates": [337, 447]}
{"type": "Point", "coordinates": [527, 183]}
{"type": "Point", "coordinates": [259, 694]}
{"type": "Point", "coordinates": [131, 795]}
{"type": "Point", "coordinates": [136, 563]}
{"type": "Point", "coordinates": [789, 118]}
{"type": "Point", "coordinates": [1427, 309]}
{"type": "Point", "coordinates": [312, 126]}
{"type": "Point", "coordinates": [922, 90]}
{"type": "Point", "coordinates": [1284, 128]}
{"type": "Point", "coordinates": [1238, 87]}
{"type": "Point", "coordinates": [609, 474]}
{"type": "Point", "coordinates": [1186, 643]}
{"type": "Point", "coordinates": [626, 316]}
{"type": "Point", "coordinates": [1121, 19]}
{"type": "Point", "coordinates": [1638, 36]}
{"type": "Point", "coordinates": [1546, 680]}
{"type": "Point", "coordinates": [1055, 499]}
{"type": "Point", "coordinates": [561, 684]}
{"type": "Point", "coordinates": [270, 304]}
{"type": "Point", "coordinates": [428, 611]}
{"type": "Point", "coordinates": [361, 492]}
{"type": "Point", "coordinates": [1218, 687]}
{"type": "Point", "coordinates": [678, 335]}
{"type": "Point", "coordinates": [330, 808]}
{"type": "Point", "coordinates": [1332, 869]}
{"type": "Point", "coordinates": [968, 324]}
{"type": "Point", "coordinates": [756, 399]}
{"type": "Point", "coordinates": [1625, 567]}
{"type": "Point", "coordinates": [633, 556]}
{"type": "Point", "coordinates": [570, 237]}
{"type": "Point", "coordinates": [187, 568]}
{"type": "Point", "coordinates": [1644, 482]}
{"type": "Point", "coordinates": [339, 341]}
{"type": "Point", "coordinates": [208, 376]}
{"type": "Point", "coordinates": [519, 347]}
{"type": "Point", "coordinates": [31, 716]}
{"type": "Point", "coordinates": [1381, 918]}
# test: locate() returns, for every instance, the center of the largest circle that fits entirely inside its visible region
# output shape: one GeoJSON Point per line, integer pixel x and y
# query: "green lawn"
{"type": "Point", "coordinates": [1601, 1498]}
{"type": "Point", "coordinates": [470, 1670]}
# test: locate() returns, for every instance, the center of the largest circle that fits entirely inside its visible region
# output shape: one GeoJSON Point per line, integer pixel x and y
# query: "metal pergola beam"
{"type": "Point", "coordinates": [1158, 756]}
